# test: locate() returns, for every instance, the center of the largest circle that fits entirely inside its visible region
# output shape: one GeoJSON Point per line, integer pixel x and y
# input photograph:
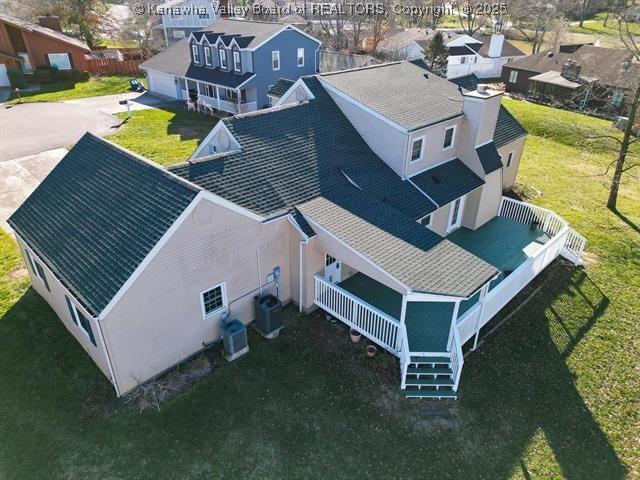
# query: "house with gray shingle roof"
{"type": "Point", "coordinates": [231, 65]}
{"type": "Point", "coordinates": [389, 219]}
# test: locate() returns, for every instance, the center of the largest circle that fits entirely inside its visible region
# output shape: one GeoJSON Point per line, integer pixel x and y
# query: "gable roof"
{"type": "Point", "coordinates": [508, 129]}
{"type": "Point", "coordinates": [604, 64]}
{"type": "Point", "coordinates": [419, 98]}
{"type": "Point", "coordinates": [174, 60]}
{"type": "Point", "coordinates": [468, 82]}
{"type": "Point", "coordinates": [447, 181]}
{"type": "Point", "coordinates": [489, 157]}
{"type": "Point", "coordinates": [508, 48]}
{"type": "Point", "coordinates": [97, 215]}
{"type": "Point", "coordinates": [254, 32]}
{"type": "Point", "coordinates": [416, 256]}
{"type": "Point", "coordinates": [295, 153]}
{"type": "Point", "coordinates": [280, 87]}
{"type": "Point", "coordinates": [334, 61]}
{"type": "Point", "coordinates": [36, 27]}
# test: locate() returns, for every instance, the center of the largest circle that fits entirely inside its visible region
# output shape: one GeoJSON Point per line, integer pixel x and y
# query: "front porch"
{"type": "Point", "coordinates": [208, 96]}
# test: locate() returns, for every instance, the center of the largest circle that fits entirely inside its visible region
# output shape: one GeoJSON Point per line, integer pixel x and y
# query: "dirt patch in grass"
{"type": "Point", "coordinates": [17, 274]}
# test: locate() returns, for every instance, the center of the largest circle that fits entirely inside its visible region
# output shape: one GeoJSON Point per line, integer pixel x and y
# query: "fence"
{"type": "Point", "coordinates": [113, 65]}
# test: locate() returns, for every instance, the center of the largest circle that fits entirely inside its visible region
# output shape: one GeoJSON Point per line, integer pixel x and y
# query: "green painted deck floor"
{"type": "Point", "coordinates": [427, 324]}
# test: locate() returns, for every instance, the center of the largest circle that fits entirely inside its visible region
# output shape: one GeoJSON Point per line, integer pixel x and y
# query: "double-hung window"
{"type": "Point", "coordinates": [275, 60]}
{"type": "Point", "coordinates": [208, 61]}
{"type": "Point", "coordinates": [513, 76]}
{"type": "Point", "coordinates": [448, 137]}
{"type": "Point", "coordinates": [416, 149]}
{"type": "Point", "coordinates": [237, 63]}
{"type": "Point", "coordinates": [80, 320]}
{"type": "Point", "coordinates": [223, 58]}
{"type": "Point", "coordinates": [300, 57]}
{"type": "Point", "coordinates": [196, 54]}
{"type": "Point", "coordinates": [38, 271]}
{"type": "Point", "coordinates": [213, 300]}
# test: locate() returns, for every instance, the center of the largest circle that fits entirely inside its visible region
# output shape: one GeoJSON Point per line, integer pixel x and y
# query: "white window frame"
{"type": "Point", "coordinates": [222, 56]}
{"type": "Point", "coordinates": [65, 55]}
{"type": "Point", "coordinates": [223, 287]}
{"type": "Point", "coordinates": [275, 57]}
{"type": "Point", "coordinates": [33, 262]}
{"type": "Point", "coordinates": [208, 59]}
{"type": "Point", "coordinates": [76, 318]}
{"type": "Point", "coordinates": [177, 34]}
{"type": "Point", "coordinates": [237, 61]}
{"type": "Point", "coordinates": [513, 76]}
{"type": "Point", "coordinates": [453, 137]}
{"type": "Point", "coordinates": [453, 226]}
{"type": "Point", "coordinates": [196, 54]}
{"type": "Point", "coordinates": [411, 159]}
{"type": "Point", "coordinates": [463, 60]}
{"type": "Point", "coordinates": [300, 56]}
{"type": "Point", "coordinates": [510, 159]}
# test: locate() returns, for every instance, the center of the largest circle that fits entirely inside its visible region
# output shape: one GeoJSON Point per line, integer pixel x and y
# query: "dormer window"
{"type": "Point", "coordinates": [223, 58]}
{"type": "Point", "coordinates": [237, 63]}
{"type": "Point", "coordinates": [207, 56]}
{"type": "Point", "coordinates": [196, 53]}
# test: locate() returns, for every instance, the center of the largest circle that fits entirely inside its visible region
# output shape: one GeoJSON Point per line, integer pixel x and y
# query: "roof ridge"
{"type": "Point", "coordinates": [144, 161]}
{"type": "Point", "coordinates": [366, 67]}
{"type": "Point", "coordinates": [263, 111]}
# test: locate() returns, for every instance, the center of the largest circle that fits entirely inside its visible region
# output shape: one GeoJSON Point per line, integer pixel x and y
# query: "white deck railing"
{"type": "Point", "coordinates": [481, 70]}
{"type": "Point", "coordinates": [366, 319]}
{"type": "Point", "coordinates": [457, 358]}
{"type": "Point", "coordinates": [548, 221]}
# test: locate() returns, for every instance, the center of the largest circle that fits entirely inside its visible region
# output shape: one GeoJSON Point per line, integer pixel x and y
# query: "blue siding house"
{"type": "Point", "coordinates": [232, 64]}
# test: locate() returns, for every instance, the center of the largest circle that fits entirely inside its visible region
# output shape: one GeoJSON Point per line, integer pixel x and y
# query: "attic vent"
{"type": "Point", "coordinates": [550, 54]}
{"type": "Point", "coordinates": [435, 179]}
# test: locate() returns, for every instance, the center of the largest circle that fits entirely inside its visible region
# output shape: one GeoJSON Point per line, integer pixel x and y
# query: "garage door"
{"type": "Point", "coordinates": [4, 78]}
{"type": "Point", "coordinates": [162, 83]}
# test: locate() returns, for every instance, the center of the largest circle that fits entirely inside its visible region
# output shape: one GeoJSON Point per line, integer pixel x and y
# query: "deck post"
{"type": "Point", "coordinates": [218, 96]}
{"type": "Point", "coordinates": [403, 310]}
{"type": "Point", "coordinates": [454, 323]}
{"type": "Point", "coordinates": [483, 294]}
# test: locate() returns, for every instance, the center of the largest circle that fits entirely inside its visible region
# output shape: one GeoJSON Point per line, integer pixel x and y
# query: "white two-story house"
{"type": "Point", "coordinates": [177, 19]}
{"type": "Point", "coordinates": [375, 194]}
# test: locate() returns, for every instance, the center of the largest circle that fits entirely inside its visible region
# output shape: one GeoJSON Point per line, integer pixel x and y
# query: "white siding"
{"type": "Point", "coordinates": [162, 84]}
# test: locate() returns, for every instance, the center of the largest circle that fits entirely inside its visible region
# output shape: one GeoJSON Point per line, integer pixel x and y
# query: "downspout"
{"type": "Point", "coordinates": [300, 274]}
{"type": "Point", "coordinates": [106, 353]}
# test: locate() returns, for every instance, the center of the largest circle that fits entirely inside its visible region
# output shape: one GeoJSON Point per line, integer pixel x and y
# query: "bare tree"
{"type": "Point", "coordinates": [471, 21]}
{"type": "Point", "coordinates": [381, 24]}
{"type": "Point", "coordinates": [534, 19]}
{"type": "Point", "coordinates": [558, 31]}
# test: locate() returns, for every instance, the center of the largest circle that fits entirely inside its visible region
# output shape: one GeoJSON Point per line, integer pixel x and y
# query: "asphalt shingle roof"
{"type": "Point", "coordinates": [411, 253]}
{"type": "Point", "coordinates": [489, 157]}
{"type": "Point", "coordinates": [468, 82]}
{"type": "Point", "coordinates": [447, 181]}
{"type": "Point", "coordinates": [217, 76]}
{"type": "Point", "coordinates": [97, 215]}
{"type": "Point", "coordinates": [507, 129]}
{"type": "Point", "coordinates": [402, 92]}
{"type": "Point", "coordinates": [36, 27]}
{"type": "Point", "coordinates": [280, 87]}
{"type": "Point", "coordinates": [293, 154]}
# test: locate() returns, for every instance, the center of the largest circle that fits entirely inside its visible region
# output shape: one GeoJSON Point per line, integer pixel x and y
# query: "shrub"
{"type": "Point", "coordinates": [80, 76]}
{"type": "Point", "coordinates": [43, 75]}
{"type": "Point", "coordinates": [16, 78]}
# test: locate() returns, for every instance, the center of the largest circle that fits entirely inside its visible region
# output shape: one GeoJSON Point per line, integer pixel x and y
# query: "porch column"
{"type": "Point", "coordinates": [403, 310]}
{"type": "Point", "coordinates": [483, 294]}
{"type": "Point", "coordinates": [454, 320]}
{"type": "Point", "coordinates": [239, 100]}
{"type": "Point", "coordinates": [217, 97]}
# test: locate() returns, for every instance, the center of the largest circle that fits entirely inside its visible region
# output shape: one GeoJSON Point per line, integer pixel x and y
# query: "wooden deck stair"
{"type": "Point", "coordinates": [430, 377]}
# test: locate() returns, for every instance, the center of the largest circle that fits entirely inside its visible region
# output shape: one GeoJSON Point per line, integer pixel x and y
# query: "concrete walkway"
{"type": "Point", "coordinates": [19, 177]}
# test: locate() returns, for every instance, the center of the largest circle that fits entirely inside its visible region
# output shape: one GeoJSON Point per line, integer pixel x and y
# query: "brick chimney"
{"type": "Point", "coordinates": [51, 22]}
{"type": "Point", "coordinates": [571, 70]}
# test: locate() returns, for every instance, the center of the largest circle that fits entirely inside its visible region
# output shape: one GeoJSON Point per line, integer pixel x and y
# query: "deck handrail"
{"type": "Point", "coordinates": [371, 322]}
{"type": "Point", "coordinates": [457, 358]}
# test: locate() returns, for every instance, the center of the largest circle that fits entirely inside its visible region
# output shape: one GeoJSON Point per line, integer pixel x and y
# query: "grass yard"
{"type": "Point", "coordinates": [71, 90]}
{"type": "Point", "coordinates": [553, 393]}
{"type": "Point", "coordinates": [596, 26]}
{"type": "Point", "coordinates": [166, 136]}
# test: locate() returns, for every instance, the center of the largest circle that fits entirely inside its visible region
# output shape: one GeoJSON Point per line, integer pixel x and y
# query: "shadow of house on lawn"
{"type": "Point", "coordinates": [189, 124]}
{"type": "Point", "coordinates": [521, 377]}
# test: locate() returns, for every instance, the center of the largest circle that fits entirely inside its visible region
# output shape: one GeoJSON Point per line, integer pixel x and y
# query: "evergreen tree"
{"type": "Point", "coordinates": [436, 54]}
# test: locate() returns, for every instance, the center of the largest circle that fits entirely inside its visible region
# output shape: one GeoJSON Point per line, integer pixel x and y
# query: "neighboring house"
{"type": "Point", "coordinates": [480, 54]}
{"type": "Point", "coordinates": [177, 19]}
{"type": "Point", "coordinates": [584, 77]}
{"type": "Point", "coordinates": [26, 46]}
{"type": "Point", "coordinates": [331, 61]}
{"type": "Point", "coordinates": [375, 192]}
{"type": "Point", "coordinates": [232, 64]}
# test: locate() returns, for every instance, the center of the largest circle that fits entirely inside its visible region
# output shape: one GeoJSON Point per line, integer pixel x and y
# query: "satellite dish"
{"type": "Point", "coordinates": [301, 96]}
{"type": "Point", "coordinates": [224, 139]}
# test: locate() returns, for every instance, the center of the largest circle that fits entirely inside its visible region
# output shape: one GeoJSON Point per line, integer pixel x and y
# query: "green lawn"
{"type": "Point", "coordinates": [553, 393]}
{"type": "Point", "coordinates": [166, 136]}
{"type": "Point", "coordinates": [596, 26]}
{"type": "Point", "coordinates": [70, 90]}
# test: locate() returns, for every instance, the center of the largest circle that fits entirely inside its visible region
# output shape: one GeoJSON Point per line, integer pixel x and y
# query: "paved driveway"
{"type": "Point", "coordinates": [33, 128]}
{"type": "Point", "coordinates": [111, 103]}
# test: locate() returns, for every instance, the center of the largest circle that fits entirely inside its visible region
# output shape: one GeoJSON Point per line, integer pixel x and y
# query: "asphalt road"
{"type": "Point", "coordinates": [31, 128]}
